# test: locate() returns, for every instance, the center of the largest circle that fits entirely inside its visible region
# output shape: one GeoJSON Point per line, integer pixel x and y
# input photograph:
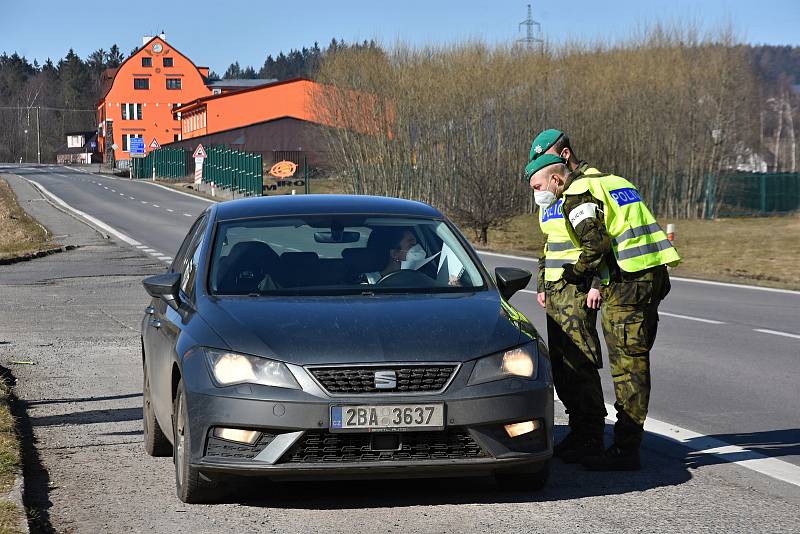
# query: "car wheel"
{"type": "Point", "coordinates": [192, 486]}
{"type": "Point", "coordinates": [524, 480]}
{"type": "Point", "coordinates": [155, 442]}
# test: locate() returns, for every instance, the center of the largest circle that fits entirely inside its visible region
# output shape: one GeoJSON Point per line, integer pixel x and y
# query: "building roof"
{"type": "Point", "coordinates": [243, 84]}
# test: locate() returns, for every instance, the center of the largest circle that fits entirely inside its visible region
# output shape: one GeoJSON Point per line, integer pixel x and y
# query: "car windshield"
{"type": "Point", "coordinates": [339, 254]}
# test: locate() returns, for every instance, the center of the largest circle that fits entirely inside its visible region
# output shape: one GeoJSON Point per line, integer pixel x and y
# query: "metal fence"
{"type": "Point", "coordinates": [746, 194]}
{"type": "Point", "coordinates": [165, 163]}
{"type": "Point", "coordinates": [237, 171]}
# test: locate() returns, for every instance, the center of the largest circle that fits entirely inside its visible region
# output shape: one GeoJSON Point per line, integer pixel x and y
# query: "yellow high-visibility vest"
{"type": "Point", "coordinates": [637, 240]}
{"type": "Point", "coordinates": [559, 248]}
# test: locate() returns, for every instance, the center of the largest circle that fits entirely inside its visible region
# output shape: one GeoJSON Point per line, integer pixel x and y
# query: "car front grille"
{"type": "Point", "coordinates": [409, 378]}
{"type": "Point", "coordinates": [326, 447]}
{"type": "Point", "coordinates": [221, 448]}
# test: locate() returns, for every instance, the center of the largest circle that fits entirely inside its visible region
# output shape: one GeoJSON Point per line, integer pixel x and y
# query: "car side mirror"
{"type": "Point", "coordinates": [510, 280]}
{"type": "Point", "coordinates": [164, 286]}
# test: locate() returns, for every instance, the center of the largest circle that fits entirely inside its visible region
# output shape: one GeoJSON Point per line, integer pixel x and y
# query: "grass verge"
{"type": "Point", "coordinates": [20, 234]}
{"type": "Point", "coordinates": [12, 517]}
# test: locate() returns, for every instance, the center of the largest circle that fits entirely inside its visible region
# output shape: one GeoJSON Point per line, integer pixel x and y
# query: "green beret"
{"type": "Point", "coordinates": [540, 162]}
{"type": "Point", "coordinates": [543, 142]}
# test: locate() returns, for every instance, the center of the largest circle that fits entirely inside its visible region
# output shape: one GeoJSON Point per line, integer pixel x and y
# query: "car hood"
{"type": "Point", "coordinates": [362, 329]}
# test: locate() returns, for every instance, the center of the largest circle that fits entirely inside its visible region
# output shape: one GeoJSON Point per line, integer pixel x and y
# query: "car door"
{"type": "Point", "coordinates": [165, 325]}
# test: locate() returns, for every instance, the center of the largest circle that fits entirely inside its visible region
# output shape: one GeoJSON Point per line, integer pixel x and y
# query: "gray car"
{"type": "Point", "coordinates": [306, 337]}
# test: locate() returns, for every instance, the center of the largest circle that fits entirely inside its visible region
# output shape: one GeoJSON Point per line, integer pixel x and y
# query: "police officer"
{"type": "Point", "coordinates": [607, 219]}
{"type": "Point", "coordinates": [572, 338]}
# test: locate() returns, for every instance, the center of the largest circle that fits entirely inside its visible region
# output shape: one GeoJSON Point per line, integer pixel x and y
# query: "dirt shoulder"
{"type": "Point", "coordinates": [20, 234]}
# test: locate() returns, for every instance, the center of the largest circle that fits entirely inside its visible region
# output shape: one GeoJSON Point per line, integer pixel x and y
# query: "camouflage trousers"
{"type": "Point", "coordinates": [629, 316]}
{"type": "Point", "coordinates": [575, 356]}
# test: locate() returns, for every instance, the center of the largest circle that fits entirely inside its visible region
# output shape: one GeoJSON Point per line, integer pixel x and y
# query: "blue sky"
{"type": "Point", "coordinates": [216, 33]}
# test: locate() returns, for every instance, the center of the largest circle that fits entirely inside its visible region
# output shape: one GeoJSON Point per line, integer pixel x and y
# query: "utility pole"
{"type": "Point", "coordinates": [38, 139]}
{"type": "Point", "coordinates": [531, 36]}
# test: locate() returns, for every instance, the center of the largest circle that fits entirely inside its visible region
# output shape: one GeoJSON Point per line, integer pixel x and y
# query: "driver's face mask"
{"type": "Point", "coordinates": [414, 257]}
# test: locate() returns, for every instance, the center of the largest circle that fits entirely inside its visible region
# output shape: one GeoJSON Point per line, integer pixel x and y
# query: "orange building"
{"type": "Point", "coordinates": [138, 97]}
{"type": "Point", "coordinates": [289, 98]}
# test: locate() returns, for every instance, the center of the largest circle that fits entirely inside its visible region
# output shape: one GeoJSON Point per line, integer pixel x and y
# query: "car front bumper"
{"type": "Point", "coordinates": [296, 442]}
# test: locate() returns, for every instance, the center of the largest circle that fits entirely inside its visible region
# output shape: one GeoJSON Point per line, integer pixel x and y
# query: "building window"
{"type": "Point", "coordinates": [176, 137]}
{"type": "Point", "coordinates": [173, 83]}
{"type": "Point", "coordinates": [167, 61]}
{"type": "Point", "coordinates": [147, 62]}
{"type": "Point", "coordinates": [126, 138]}
{"type": "Point", "coordinates": [141, 83]}
{"type": "Point", "coordinates": [131, 112]}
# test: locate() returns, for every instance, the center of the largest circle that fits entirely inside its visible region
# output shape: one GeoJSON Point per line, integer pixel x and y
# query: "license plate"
{"type": "Point", "coordinates": [387, 417]}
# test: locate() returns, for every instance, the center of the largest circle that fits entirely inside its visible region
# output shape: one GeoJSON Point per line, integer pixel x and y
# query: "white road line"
{"type": "Point", "coordinates": [141, 246]}
{"type": "Point", "coordinates": [776, 333]}
{"type": "Point", "coordinates": [155, 253]}
{"type": "Point", "coordinates": [113, 190]}
{"type": "Point", "coordinates": [187, 214]}
{"type": "Point", "coordinates": [675, 278]}
{"type": "Point", "coordinates": [706, 445]}
{"type": "Point", "coordinates": [98, 223]}
{"type": "Point", "coordinates": [104, 187]}
{"type": "Point", "coordinates": [143, 202]}
{"type": "Point", "coordinates": [169, 210]}
{"type": "Point", "coordinates": [122, 194]}
{"type": "Point", "coordinates": [181, 192]}
{"type": "Point", "coordinates": [132, 198]}
{"type": "Point", "coordinates": [690, 318]}
{"type": "Point", "coordinates": [167, 258]}
{"type": "Point", "coordinates": [156, 206]}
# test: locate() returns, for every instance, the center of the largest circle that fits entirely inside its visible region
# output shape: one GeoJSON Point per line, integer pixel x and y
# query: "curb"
{"type": "Point", "coordinates": [39, 254]}
{"type": "Point", "coordinates": [14, 495]}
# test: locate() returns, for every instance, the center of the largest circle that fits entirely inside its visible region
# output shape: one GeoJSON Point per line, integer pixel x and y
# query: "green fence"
{"type": "Point", "coordinates": [237, 171]}
{"type": "Point", "coordinates": [169, 164]}
{"type": "Point", "coordinates": [756, 193]}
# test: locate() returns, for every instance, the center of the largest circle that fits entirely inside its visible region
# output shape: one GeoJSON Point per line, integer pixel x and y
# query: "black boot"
{"type": "Point", "coordinates": [570, 441]}
{"type": "Point", "coordinates": [588, 446]}
{"type": "Point", "coordinates": [614, 459]}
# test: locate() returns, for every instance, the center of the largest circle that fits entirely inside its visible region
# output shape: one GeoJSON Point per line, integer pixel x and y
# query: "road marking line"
{"type": "Point", "coordinates": [167, 258]}
{"type": "Point", "coordinates": [187, 214]}
{"type": "Point", "coordinates": [122, 194]}
{"type": "Point", "coordinates": [132, 198]}
{"type": "Point", "coordinates": [104, 187]}
{"type": "Point", "coordinates": [169, 210]}
{"type": "Point", "coordinates": [155, 253]}
{"type": "Point", "coordinates": [86, 216]}
{"type": "Point", "coordinates": [141, 246]}
{"type": "Point", "coordinates": [143, 202]}
{"type": "Point", "coordinates": [675, 278]}
{"type": "Point", "coordinates": [706, 445]}
{"type": "Point", "coordinates": [156, 206]}
{"type": "Point", "coordinates": [690, 318]}
{"type": "Point", "coordinates": [776, 333]}
{"type": "Point", "coordinates": [181, 192]}
{"type": "Point", "coordinates": [113, 190]}
{"type": "Point", "coordinates": [149, 250]}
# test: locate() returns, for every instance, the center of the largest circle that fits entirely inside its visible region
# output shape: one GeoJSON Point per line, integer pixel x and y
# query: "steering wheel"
{"type": "Point", "coordinates": [406, 278]}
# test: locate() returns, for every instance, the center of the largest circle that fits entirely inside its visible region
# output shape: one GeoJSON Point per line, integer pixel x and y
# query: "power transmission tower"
{"type": "Point", "coordinates": [533, 32]}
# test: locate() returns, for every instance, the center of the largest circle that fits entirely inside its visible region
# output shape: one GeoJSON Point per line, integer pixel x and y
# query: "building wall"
{"type": "Point", "coordinates": [231, 110]}
{"type": "Point", "coordinates": [157, 120]}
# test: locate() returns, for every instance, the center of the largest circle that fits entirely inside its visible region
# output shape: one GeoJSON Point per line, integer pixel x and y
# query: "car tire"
{"type": "Point", "coordinates": [524, 480]}
{"type": "Point", "coordinates": [155, 441]}
{"type": "Point", "coordinates": [191, 485]}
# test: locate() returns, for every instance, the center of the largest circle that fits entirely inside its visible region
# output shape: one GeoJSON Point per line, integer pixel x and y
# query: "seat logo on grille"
{"type": "Point", "coordinates": [385, 380]}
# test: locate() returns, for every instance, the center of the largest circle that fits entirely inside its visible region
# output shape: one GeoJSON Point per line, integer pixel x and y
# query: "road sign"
{"type": "Point", "coordinates": [199, 152]}
{"type": "Point", "coordinates": [136, 145]}
{"type": "Point", "coordinates": [154, 145]}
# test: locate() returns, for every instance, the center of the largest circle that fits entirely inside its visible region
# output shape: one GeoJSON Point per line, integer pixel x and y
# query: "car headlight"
{"type": "Point", "coordinates": [520, 361]}
{"type": "Point", "coordinates": [228, 368]}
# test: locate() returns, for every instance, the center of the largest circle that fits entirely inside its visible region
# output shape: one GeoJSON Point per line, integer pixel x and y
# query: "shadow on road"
{"type": "Point", "coordinates": [87, 417]}
{"type": "Point", "coordinates": [82, 399]}
{"type": "Point", "coordinates": [773, 443]}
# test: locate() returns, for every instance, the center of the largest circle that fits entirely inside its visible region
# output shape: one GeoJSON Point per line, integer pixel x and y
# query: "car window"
{"type": "Point", "coordinates": [189, 271]}
{"type": "Point", "coordinates": [339, 254]}
{"type": "Point", "coordinates": [179, 261]}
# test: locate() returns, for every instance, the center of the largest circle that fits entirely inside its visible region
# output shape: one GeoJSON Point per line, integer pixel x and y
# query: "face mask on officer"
{"type": "Point", "coordinates": [544, 199]}
{"type": "Point", "coordinates": [414, 256]}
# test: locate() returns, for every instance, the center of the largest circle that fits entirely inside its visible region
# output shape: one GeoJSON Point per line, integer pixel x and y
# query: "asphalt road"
{"type": "Point", "coordinates": [726, 362]}
{"type": "Point", "coordinates": [69, 334]}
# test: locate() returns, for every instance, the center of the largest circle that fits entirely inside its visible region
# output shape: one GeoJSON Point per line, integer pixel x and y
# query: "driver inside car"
{"type": "Point", "coordinates": [403, 252]}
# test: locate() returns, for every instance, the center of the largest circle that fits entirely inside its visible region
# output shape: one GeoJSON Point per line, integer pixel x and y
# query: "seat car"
{"type": "Point", "coordinates": [316, 336]}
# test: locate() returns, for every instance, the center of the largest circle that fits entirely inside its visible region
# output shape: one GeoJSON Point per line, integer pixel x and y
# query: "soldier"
{"type": "Point", "coordinates": [607, 219]}
{"type": "Point", "coordinates": [572, 337]}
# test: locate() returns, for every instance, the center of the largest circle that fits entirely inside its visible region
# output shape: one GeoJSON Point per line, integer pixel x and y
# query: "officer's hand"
{"type": "Point", "coordinates": [593, 299]}
{"type": "Point", "coordinates": [540, 299]}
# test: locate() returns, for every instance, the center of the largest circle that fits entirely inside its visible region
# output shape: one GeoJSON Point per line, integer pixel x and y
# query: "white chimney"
{"type": "Point", "coordinates": [162, 35]}
{"type": "Point", "coordinates": [145, 39]}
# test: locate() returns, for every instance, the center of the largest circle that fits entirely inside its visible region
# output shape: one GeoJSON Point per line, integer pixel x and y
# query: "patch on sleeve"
{"type": "Point", "coordinates": [584, 211]}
